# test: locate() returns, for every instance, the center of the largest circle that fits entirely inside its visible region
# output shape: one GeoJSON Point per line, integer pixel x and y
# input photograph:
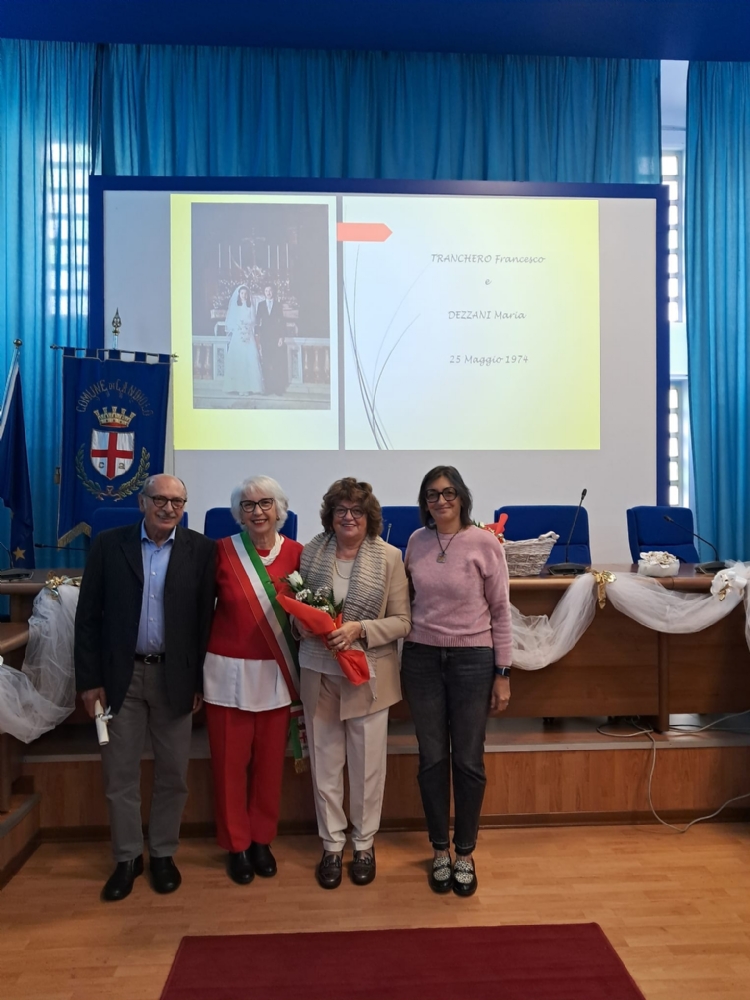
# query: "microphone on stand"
{"type": "Point", "coordinates": [709, 568]}
{"type": "Point", "coordinates": [388, 532]}
{"type": "Point", "coordinates": [61, 548]}
{"type": "Point", "coordinates": [568, 568]}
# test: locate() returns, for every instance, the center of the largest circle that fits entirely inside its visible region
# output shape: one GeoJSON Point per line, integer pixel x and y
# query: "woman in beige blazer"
{"type": "Point", "coordinates": [347, 723]}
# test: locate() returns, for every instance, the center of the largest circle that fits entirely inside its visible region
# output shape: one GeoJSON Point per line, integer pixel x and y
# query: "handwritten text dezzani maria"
{"type": "Point", "coordinates": [483, 258]}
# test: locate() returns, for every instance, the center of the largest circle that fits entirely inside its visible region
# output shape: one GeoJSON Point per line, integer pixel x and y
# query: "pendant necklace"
{"type": "Point", "coordinates": [443, 551]}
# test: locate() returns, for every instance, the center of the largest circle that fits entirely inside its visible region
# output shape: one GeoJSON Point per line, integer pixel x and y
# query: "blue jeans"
{"type": "Point", "coordinates": [448, 690]}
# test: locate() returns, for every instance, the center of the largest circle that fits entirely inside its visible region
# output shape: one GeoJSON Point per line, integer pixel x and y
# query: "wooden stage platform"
{"type": "Point", "coordinates": [559, 773]}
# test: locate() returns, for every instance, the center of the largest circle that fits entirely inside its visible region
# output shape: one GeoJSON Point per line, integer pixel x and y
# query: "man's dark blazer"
{"type": "Point", "coordinates": [109, 612]}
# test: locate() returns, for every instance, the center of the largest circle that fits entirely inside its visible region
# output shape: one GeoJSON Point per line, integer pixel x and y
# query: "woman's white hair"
{"type": "Point", "coordinates": [267, 487]}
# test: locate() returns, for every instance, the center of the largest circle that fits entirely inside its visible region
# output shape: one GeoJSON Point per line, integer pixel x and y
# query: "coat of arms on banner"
{"type": "Point", "coordinates": [112, 450]}
{"type": "Point", "coordinates": [114, 433]}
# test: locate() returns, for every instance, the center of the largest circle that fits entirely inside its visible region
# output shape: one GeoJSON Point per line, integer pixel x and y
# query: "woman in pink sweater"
{"type": "Point", "coordinates": [455, 667]}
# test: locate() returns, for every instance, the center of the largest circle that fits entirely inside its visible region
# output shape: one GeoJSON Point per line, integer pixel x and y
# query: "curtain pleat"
{"type": "Point", "coordinates": [70, 109]}
{"type": "Point", "coordinates": [717, 285]}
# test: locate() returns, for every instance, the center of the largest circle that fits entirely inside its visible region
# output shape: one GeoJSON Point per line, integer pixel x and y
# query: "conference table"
{"type": "Point", "coordinates": [618, 668]}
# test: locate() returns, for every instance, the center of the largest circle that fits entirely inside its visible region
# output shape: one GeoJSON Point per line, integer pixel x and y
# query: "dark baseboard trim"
{"type": "Point", "coordinates": [16, 864]}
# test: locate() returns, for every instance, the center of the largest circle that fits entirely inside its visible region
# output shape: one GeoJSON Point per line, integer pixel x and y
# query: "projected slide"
{"type": "Point", "coordinates": [471, 323]}
{"type": "Point", "coordinates": [385, 322]}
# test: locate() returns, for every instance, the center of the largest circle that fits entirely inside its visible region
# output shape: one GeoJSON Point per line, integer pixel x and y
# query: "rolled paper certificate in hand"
{"type": "Point", "coordinates": [102, 718]}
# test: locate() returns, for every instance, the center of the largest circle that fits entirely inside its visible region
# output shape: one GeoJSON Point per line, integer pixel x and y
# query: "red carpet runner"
{"type": "Point", "coordinates": [546, 962]}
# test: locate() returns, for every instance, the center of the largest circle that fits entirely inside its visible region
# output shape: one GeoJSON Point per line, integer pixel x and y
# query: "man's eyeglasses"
{"type": "Point", "coordinates": [356, 512]}
{"type": "Point", "coordinates": [449, 493]}
{"type": "Point", "coordinates": [249, 505]}
{"type": "Point", "coordinates": [159, 501]}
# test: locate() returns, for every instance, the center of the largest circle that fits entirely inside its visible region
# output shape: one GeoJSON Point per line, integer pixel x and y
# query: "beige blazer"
{"type": "Point", "coordinates": [393, 623]}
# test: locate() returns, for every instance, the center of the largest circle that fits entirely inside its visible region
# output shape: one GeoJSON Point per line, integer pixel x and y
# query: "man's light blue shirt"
{"type": "Point", "coordinates": [155, 563]}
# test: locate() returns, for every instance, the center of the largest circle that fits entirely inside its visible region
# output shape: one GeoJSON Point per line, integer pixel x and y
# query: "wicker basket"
{"type": "Point", "coordinates": [528, 556]}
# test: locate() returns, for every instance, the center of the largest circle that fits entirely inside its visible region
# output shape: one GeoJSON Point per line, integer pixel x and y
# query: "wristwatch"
{"type": "Point", "coordinates": [502, 671]}
{"type": "Point", "coordinates": [363, 631]}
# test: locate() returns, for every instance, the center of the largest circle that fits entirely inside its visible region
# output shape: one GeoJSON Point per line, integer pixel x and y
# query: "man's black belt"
{"type": "Point", "coordinates": [150, 657]}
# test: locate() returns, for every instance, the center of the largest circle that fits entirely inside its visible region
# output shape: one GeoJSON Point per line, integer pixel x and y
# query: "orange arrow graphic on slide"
{"type": "Point", "coordinates": [362, 232]}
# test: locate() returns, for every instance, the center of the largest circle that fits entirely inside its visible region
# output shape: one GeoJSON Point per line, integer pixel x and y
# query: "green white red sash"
{"type": "Point", "coordinates": [260, 593]}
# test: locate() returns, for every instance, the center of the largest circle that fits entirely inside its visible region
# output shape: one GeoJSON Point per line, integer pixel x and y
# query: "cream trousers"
{"type": "Point", "coordinates": [359, 743]}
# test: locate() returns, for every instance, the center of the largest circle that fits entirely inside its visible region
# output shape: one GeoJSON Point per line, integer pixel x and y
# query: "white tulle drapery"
{"type": "Point", "coordinates": [539, 640]}
{"type": "Point", "coordinates": [38, 697]}
{"type": "Point", "coordinates": [41, 695]}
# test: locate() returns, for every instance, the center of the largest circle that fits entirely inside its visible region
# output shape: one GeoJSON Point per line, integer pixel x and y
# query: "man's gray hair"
{"type": "Point", "coordinates": [150, 481]}
{"type": "Point", "coordinates": [267, 487]}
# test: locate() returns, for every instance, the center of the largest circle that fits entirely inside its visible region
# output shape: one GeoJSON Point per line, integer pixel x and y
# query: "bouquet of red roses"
{"type": "Point", "coordinates": [319, 613]}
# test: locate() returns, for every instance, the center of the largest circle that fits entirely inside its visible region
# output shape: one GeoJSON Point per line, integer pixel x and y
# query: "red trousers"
{"type": "Point", "coordinates": [247, 759]}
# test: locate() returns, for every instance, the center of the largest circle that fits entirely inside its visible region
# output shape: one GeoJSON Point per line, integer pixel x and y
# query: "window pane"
{"type": "Point", "coordinates": [674, 312]}
{"type": "Point", "coordinates": [674, 423]}
{"type": "Point", "coordinates": [673, 191]}
{"type": "Point", "coordinates": [674, 215]}
{"type": "Point", "coordinates": [674, 399]}
{"type": "Point", "coordinates": [672, 238]}
{"type": "Point", "coordinates": [673, 265]}
{"type": "Point", "coordinates": [674, 448]}
{"type": "Point", "coordinates": [674, 496]}
{"type": "Point", "coordinates": [674, 474]}
{"type": "Point", "coordinates": [669, 166]}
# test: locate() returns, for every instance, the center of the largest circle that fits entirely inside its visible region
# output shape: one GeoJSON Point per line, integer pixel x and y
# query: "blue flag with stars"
{"type": "Point", "coordinates": [15, 489]}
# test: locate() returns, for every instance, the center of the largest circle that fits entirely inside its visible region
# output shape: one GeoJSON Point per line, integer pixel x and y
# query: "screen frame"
{"type": "Point", "coordinates": [659, 193]}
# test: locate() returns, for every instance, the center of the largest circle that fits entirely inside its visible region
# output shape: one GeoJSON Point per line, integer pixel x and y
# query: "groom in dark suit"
{"type": "Point", "coordinates": [271, 329]}
{"type": "Point", "coordinates": [142, 626]}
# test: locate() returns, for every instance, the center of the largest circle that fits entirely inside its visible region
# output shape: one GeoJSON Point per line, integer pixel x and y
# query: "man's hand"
{"type": "Point", "coordinates": [90, 698]}
{"type": "Point", "coordinates": [197, 703]}
{"type": "Point", "coordinates": [500, 694]}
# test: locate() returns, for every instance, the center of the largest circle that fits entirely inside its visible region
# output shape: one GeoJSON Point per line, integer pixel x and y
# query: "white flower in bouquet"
{"type": "Point", "coordinates": [658, 564]}
{"type": "Point", "coordinates": [295, 581]}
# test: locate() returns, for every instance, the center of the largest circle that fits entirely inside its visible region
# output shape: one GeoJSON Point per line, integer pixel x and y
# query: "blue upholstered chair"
{"type": "Point", "coordinates": [399, 523]}
{"type": "Point", "coordinates": [220, 523]}
{"type": "Point", "coordinates": [532, 521]}
{"type": "Point", "coordinates": [649, 532]}
{"type": "Point", "coordinates": [116, 517]}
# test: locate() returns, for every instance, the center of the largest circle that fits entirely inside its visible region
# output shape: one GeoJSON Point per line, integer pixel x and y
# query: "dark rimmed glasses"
{"type": "Point", "coordinates": [159, 501]}
{"type": "Point", "coordinates": [449, 493]}
{"type": "Point", "coordinates": [356, 512]}
{"type": "Point", "coordinates": [249, 505]}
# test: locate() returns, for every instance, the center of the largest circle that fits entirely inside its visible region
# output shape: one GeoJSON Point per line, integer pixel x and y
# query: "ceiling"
{"type": "Point", "coordinates": [642, 29]}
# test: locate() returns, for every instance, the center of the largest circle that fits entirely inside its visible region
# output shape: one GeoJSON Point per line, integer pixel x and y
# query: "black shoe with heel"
{"type": "Point", "coordinates": [240, 867]}
{"type": "Point", "coordinates": [263, 861]}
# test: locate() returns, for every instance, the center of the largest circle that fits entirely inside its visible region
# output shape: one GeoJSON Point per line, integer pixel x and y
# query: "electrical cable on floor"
{"type": "Point", "coordinates": [676, 731]}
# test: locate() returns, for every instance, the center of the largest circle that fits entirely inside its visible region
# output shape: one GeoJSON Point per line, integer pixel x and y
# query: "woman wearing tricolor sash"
{"type": "Point", "coordinates": [251, 678]}
{"type": "Point", "coordinates": [347, 723]}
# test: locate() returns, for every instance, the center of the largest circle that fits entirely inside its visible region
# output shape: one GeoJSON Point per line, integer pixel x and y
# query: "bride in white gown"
{"type": "Point", "coordinates": [242, 373]}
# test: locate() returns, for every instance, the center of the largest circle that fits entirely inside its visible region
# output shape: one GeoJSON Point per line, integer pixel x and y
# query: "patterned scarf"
{"type": "Point", "coordinates": [364, 598]}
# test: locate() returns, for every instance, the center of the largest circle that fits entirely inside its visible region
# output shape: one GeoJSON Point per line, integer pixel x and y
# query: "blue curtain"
{"type": "Point", "coordinates": [69, 109]}
{"type": "Point", "coordinates": [717, 218]}
{"type": "Point", "coordinates": [280, 113]}
{"type": "Point", "coordinates": [45, 161]}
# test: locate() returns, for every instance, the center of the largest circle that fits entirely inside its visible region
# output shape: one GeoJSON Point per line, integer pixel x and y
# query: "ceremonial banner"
{"type": "Point", "coordinates": [114, 430]}
{"type": "Point", "coordinates": [15, 490]}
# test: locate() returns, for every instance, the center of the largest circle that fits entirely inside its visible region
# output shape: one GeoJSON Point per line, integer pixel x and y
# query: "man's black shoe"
{"type": "Point", "coordinates": [263, 861]}
{"type": "Point", "coordinates": [240, 867]}
{"type": "Point", "coordinates": [165, 876]}
{"type": "Point", "coordinates": [120, 882]}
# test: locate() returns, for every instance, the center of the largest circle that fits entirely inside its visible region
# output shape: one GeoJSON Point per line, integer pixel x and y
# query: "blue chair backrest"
{"type": "Point", "coordinates": [116, 517]}
{"type": "Point", "coordinates": [534, 520]}
{"type": "Point", "coordinates": [399, 524]}
{"type": "Point", "coordinates": [649, 532]}
{"type": "Point", "coordinates": [220, 523]}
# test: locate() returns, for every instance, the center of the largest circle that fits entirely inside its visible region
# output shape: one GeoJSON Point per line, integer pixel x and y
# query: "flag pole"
{"type": "Point", "coordinates": [17, 344]}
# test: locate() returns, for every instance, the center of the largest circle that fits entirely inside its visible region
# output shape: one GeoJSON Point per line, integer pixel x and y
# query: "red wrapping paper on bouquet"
{"type": "Point", "coordinates": [353, 662]}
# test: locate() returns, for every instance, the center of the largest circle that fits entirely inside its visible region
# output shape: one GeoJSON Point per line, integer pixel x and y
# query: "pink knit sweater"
{"type": "Point", "coordinates": [463, 601]}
